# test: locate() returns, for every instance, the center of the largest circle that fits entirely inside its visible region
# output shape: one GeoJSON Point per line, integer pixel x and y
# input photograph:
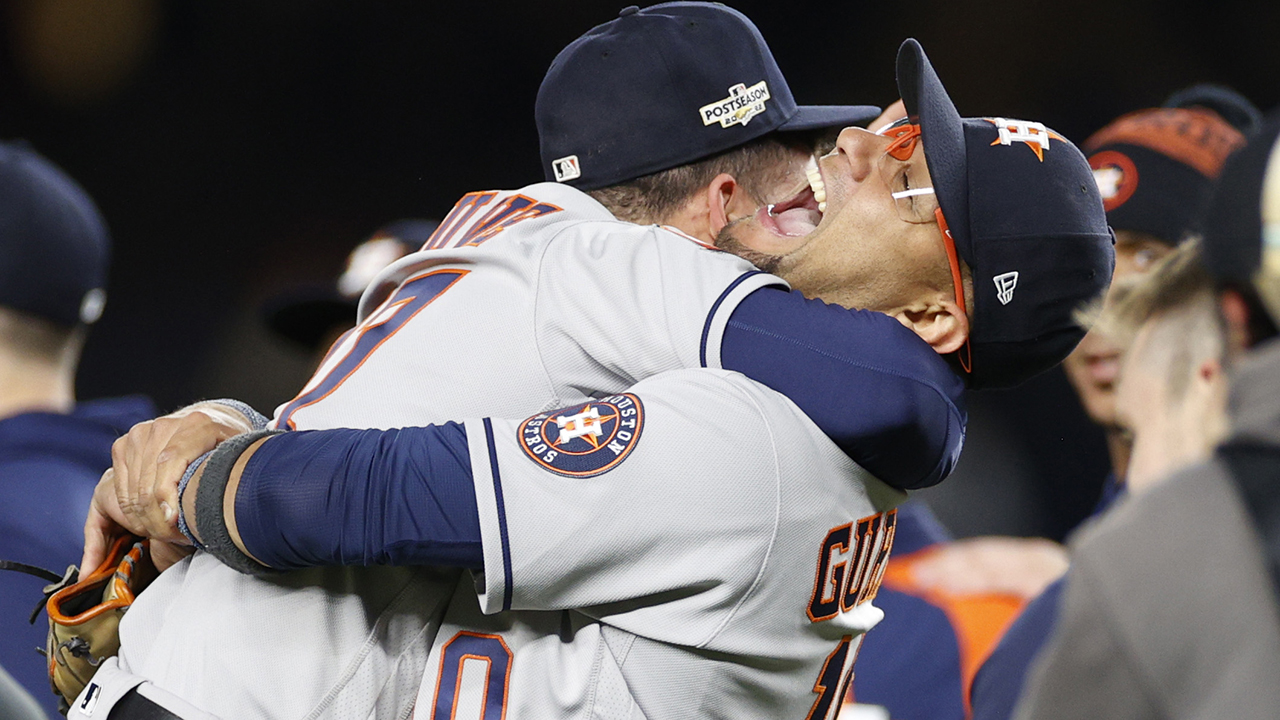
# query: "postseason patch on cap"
{"type": "Point", "coordinates": [1116, 175]}
{"type": "Point", "coordinates": [742, 104]}
{"type": "Point", "coordinates": [584, 440]}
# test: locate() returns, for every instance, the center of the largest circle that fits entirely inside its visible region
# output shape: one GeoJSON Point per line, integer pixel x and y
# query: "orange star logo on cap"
{"type": "Point", "coordinates": [1035, 135]}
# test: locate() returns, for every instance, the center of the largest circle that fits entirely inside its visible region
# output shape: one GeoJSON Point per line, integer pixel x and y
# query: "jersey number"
{"type": "Point", "coordinates": [353, 348]}
{"type": "Point", "coordinates": [833, 681]}
{"type": "Point", "coordinates": [475, 670]}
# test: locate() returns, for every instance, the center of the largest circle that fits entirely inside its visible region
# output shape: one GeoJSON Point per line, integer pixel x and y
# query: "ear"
{"type": "Point", "coordinates": [726, 202]}
{"type": "Point", "coordinates": [1235, 311]}
{"type": "Point", "coordinates": [1209, 371]}
{"type": "Point", "coordinates": [706, 213]}
{"type": "Point", "coordinates": [939, 323]}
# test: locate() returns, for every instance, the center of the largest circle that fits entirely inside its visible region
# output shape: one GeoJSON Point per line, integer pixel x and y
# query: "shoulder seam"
{"type": "Point", "coordinates": [777, 511]}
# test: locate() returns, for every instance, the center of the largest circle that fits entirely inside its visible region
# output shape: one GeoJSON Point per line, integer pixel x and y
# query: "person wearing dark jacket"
{"type": "Point", "coordinates": [54, 251]}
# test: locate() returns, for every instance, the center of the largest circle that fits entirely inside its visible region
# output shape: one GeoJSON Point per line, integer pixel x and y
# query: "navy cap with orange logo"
{"type": "Point", "coordinates": [664, 86]}
{"type": "Point", "coordinates": [1156, 167]}
{"type": "Point", "coordinates": [1023, 211]}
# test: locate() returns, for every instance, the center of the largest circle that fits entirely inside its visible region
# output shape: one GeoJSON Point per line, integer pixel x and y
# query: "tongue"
{"type": "Point", "coordinates": [797, 221]}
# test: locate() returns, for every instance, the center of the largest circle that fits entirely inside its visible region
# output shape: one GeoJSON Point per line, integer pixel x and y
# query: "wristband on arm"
{"type": "Point", "coordinates": [210, 496]}
{"type": "Point", "coordinates": [189, 473]}
{"type": "Point", "coordinates": [255, 418]}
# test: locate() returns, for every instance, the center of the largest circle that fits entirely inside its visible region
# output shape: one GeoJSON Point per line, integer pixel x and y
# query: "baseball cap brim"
{"type": "Point", "coordinates": [927, 102]}
{"type": "Point", "coordinates": [307, 316]}
{"type": "Point", "coordinates": [815, 117]}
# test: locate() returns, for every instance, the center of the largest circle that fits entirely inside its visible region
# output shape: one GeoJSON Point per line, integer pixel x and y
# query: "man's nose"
{"type": "Point", "coordinates": [861, 148]}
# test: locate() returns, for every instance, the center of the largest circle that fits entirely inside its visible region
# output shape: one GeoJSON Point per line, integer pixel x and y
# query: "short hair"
{"type": "Point", "coordinates": [1180, 297]}
{"type": "Point", "coordinates": [756, 165]}
{"type": "Point", "coordinates": [35, 338]}
{"type": "Point", "coordinates": [1178, 280]}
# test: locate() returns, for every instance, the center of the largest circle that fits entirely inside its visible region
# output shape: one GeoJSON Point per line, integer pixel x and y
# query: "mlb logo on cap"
{"type": "Point", "coordinates": [567, 168]}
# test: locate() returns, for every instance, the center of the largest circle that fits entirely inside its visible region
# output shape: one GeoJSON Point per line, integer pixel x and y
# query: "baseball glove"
{"type": "Point", "coordinates": [84, 618]}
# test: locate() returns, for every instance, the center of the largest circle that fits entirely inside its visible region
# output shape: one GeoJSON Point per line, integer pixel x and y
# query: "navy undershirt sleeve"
{"type": "Point", "coordinates": [361, 497]}
{"type": "Point", "coordinates": [873, 386]}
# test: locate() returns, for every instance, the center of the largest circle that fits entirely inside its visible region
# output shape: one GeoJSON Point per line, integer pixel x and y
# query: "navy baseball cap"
{"type": "Point", "coordinates": [664, 86]}
{"type": "Point", "coordinates": [307, 316]}
{"type": "Point", "coordinates": [1242, 225]}
{"type": "Point", "coordinates": [1156, 167]}
{"type": "Point", "coordinates": [1024, 212]}
{"type": "Point", "coordinates": [54, 245]}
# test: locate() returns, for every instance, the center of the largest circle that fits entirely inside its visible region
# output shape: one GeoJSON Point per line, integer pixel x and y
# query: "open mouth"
{"type": "Point", "coordinates": [801, 214]}
{"type": "Point", "coordinates": [1103, 369]}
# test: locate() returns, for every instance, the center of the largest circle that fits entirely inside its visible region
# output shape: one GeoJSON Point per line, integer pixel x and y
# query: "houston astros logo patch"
{"type": "Point", "coordinates": [584, 440]}
{"type": "Point", "coordinates": [1116, 175]}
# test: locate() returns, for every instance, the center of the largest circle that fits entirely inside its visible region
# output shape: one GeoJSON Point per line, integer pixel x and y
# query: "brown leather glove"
{"type": "Point", "coordinates": [84, 618]}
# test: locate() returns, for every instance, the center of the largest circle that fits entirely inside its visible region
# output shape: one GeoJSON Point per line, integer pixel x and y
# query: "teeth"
{"type": "Point", "coordinates": [816, 184]}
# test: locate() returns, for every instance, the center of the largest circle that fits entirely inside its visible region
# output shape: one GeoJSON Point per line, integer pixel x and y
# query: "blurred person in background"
{"type": "Point", "coordinates": [1170, 608]}
{"type": "Point", "coordinates": [946, 602]}
{"type": "Point", "coordinates": [1156, 170]}
{"type": "Point", "coordinates": [15, 702]}
{"type": "Point", "coordinates": [314, 318]}
{"type": "Point", "coordinates": [1172, 395]}
{"type": "Point", "coordinates": [54, 250]}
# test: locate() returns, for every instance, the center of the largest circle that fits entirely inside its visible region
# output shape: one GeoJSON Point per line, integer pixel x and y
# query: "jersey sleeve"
{"type": "Point", "coordinates": [660, 503]}
{"type": "Point", "coordinates": [881, 394]}
{"type": "Point", "coordinates": [628, 302]}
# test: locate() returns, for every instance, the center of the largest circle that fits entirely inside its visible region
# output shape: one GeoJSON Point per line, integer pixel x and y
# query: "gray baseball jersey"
{"type": "Point", "coordinates": [524, 301]}
{"type": "Point", "coordinates": [693, 547]}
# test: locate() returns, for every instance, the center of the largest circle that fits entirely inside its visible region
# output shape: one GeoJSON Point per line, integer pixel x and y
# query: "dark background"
{"type": "Point", "coordinates": [241, 147]}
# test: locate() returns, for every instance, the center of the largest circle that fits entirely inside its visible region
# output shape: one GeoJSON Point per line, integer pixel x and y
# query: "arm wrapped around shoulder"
{"type": "Point", "coordinates": [890, 402]}
{"type": "Point", "coordinates": [316, 498]}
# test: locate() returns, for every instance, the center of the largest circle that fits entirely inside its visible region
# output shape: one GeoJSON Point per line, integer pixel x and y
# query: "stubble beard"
{"type": "Point", "coordinates": [728, 242]}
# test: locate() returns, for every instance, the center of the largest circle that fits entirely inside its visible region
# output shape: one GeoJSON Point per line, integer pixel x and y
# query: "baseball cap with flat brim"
{"type": "Point", "coordinates": [664, 86]}
{"type": "Point", "coordinates": [1024, 213]}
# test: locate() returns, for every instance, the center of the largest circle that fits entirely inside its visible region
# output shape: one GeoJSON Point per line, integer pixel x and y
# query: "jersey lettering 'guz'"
{"type": "Point", "coordinates": [851, 564]}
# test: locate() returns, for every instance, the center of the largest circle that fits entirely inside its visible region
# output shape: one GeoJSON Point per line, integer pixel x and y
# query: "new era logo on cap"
{"type": "Point", "coordinates": [1005, 283]}
{"type": "Point", "coordinates": [742, 104]}
{"type": "Point", "coordinates": [566, 168]}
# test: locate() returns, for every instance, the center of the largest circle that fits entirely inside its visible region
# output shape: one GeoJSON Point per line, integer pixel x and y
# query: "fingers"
{"type": "Point", "coordinates": [150, 460]}
{"type": "Point", "coordinates": [102, 524]}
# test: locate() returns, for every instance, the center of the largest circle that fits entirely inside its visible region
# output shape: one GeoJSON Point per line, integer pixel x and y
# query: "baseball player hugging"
{"type": "Point", "coordinates": [568, 466]}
